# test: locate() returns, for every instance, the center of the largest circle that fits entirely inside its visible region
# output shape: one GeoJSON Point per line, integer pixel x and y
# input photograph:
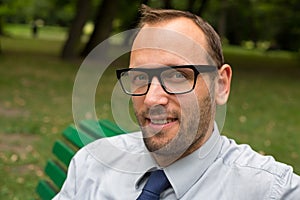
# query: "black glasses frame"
{"type": "Point", "coordinates": [156, 72]}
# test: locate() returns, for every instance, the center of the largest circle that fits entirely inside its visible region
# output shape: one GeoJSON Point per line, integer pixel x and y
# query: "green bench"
{"type": "Point", "coordinates": [64, 150]}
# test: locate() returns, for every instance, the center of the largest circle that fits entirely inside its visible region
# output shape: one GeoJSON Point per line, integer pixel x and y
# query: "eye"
{"type": "Point", "coordinates": [139, 79]}
{"type": "Point", "coordinates": [178, 75]}
{"type": "Point", "coordinates": [175, 76]}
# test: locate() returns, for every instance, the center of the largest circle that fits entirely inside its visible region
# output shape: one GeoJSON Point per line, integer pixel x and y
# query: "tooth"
{"type": "Point", "coordinates": [159, 121]}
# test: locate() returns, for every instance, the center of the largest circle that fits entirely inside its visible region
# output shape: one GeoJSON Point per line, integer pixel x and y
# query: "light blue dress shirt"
{"type": "Point", "coordinates": [116, 168]}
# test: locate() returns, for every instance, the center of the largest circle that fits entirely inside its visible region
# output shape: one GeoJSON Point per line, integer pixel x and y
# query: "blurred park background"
{"type": "Point", "coordinates": [43, 43]}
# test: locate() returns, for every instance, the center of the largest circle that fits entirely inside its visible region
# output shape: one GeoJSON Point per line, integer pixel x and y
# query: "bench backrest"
{"type": "Point", "coordinates": [64, 150]}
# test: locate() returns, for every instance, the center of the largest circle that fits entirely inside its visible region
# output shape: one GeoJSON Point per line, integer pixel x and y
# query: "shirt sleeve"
{"type": "Point", "coordinates": [287, 186]}
{"type": "Point", "coordinates": [68, 189]}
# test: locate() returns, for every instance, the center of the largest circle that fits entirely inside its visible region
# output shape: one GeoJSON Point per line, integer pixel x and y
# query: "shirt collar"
{"type": "Point", "coordinates": [185, 172]}
{"type": "Point", "coordinates": [182, 175]}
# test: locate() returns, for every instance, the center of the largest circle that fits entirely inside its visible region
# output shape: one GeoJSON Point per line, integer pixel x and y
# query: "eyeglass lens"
{"type": "Point", "coordinates": [177, 80]}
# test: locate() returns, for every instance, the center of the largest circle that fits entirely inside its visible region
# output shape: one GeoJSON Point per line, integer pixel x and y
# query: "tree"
{"type": "Point", "coordinates": [1, 26]}
{"type": "Point", "coordinates": [3, 12]}
{"type": "Point", "coordinates": [197, 6]}
{"type": "Point", "coordinates": [106, 13]}
{"type": "Point", "coordinates": [130, 19]}
{"type": "Point", "coordinates": [286, 16]}
{"type": "Point", "coordinates": [76, 29]}
{"type": "Point", "coordinates": [222, 19]}
{"type": "Point", "coordinates": [167, 4]}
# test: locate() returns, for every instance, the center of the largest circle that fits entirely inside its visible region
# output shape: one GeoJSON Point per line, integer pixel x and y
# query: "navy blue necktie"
{"type": "Point", "coordinates": [156, 184]}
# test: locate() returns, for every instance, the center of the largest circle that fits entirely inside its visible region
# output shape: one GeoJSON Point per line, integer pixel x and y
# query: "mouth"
{"type": "Point", "coordinates": [162, 121]}
{"type": "Point", "coordinates": [158, 124]}
{"type": "Point", "coordinates": [158, 119]}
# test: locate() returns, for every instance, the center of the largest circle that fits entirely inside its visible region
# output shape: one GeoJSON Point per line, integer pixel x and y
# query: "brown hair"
{"type": "Point", "coordinates": [153, 16]}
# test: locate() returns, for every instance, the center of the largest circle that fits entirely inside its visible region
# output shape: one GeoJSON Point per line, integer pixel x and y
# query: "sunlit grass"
{"type": "Point", "coordinates": [44, 32]}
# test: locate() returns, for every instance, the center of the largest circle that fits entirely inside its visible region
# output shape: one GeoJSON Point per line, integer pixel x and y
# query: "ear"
{"type": "Point", "coordinates": [223, 84]}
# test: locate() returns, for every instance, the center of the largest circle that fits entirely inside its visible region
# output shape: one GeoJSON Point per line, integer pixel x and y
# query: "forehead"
{"type": "Point", "coordinates": [178, 40]}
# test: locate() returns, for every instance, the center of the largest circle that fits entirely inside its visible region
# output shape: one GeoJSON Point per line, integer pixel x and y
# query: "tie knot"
{"type": "Point", "coordinates": [157, 182]}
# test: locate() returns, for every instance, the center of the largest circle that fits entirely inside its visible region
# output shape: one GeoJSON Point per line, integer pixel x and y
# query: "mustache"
{"type": "Point", "coordinates": [156, 110]}
{"type": "Point", "coordinates": [159, 110]}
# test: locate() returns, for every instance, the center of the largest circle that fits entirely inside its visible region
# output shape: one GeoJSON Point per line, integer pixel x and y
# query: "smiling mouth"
{"type": "Point", "coordinates": [158, 117]}
{"type": "Point", "coordinates": [162, 121]}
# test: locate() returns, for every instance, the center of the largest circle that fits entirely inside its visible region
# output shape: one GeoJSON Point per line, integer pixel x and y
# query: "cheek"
{"type": "Point", "coordinates": [204, 88]}
{"type": "Point", "coordinates": [186, 104]}
{"type": "Point", "coordinates": [193, 102]}
{"type": "Point", "coordinates": [137, 102]}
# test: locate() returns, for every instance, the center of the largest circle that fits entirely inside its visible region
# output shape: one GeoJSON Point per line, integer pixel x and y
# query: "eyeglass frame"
{"type": "Point", "coordinates": [156, 72]}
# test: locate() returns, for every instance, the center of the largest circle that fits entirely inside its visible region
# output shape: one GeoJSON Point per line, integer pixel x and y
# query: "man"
{"type": "Point", "coordinates": [176, 78]}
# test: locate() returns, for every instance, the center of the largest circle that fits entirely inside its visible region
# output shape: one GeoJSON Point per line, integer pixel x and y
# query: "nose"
{"type": "Point", "coordinates": [156, 94]}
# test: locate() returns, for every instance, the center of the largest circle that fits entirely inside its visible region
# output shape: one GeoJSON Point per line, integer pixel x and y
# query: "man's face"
{"type": "Point", "coordinates": [173, 125]}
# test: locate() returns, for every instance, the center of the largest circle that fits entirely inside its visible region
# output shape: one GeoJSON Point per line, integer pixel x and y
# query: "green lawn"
{"type": "Point", "coordinates": [263, 109]}
{"type": "Point", "coordinates": [36, 104]}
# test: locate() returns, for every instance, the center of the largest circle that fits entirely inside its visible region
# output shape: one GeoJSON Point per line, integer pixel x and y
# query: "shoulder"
{"type": "Point", "coordinates": [121, 153]}
{"type": "Point", "coordinates": [115, 145]}
{"type": "Point", "coordinates": [243, 156]}
{"type": "Point", "coordinates": [99, 164]}
{"type": "Point", "coordinates": [275, 178]}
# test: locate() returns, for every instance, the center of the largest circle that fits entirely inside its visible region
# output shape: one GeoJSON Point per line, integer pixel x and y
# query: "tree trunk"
{"type": "Point", "coordinates": [191, 5]}
{"type": "Point", "coordinates": [1, 33]}
{"type": "Point", "coordinates": [71, 45]}
{"type": "Point", "coordinates": [202, 7]}
{"type": "Point", "coordinates": [103, 24]}
{"type": "Point", "coordinates": [1, 22]}
{"type": "Point", "coordinates": [1, 27]}
{"type": "Point", "coordinates": [167, 4]}
{"type": "Point", "coordinates": [222, 20]}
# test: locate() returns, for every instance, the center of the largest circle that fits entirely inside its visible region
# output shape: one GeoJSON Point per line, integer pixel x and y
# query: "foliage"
{"type": "Point", "coordinates": [52, 12]}
{"type": "Point", "coordinates": [276, 21]}
{"type": "Point", "coordinates": [272, 22]}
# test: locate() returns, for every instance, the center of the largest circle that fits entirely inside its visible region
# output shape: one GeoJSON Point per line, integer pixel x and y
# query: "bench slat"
{"type": "Point", "coordinates": [100, 129]}
{"type": "Point", "coordinates": [45, 190]}
{"type": "Point", "coordinates": [56, 173]}
{"type": "Point", "coordinates": [92, 127]}
{"type": "Point", "coordinates": [63, 152]}
{"type": "Point", "coordinates": [77, 137]}
{"type": "Point", "coordinates": [115, 129]}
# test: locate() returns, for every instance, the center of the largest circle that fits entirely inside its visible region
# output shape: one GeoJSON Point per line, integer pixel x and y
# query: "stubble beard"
{"type": "Point", "coordinates": [194, 125]}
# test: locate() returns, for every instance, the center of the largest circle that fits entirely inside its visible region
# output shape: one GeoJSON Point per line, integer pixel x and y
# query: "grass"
{"type": "Point", "coordinates": [36, 104]}
{"type": "Point", "coordinates": [263, 109]}
{"type": "Point", "coordinates": [44, 32]}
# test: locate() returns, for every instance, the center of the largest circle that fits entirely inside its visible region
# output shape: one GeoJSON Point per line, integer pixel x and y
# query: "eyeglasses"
{"type": "Point", "coordinates": [173, 79]}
